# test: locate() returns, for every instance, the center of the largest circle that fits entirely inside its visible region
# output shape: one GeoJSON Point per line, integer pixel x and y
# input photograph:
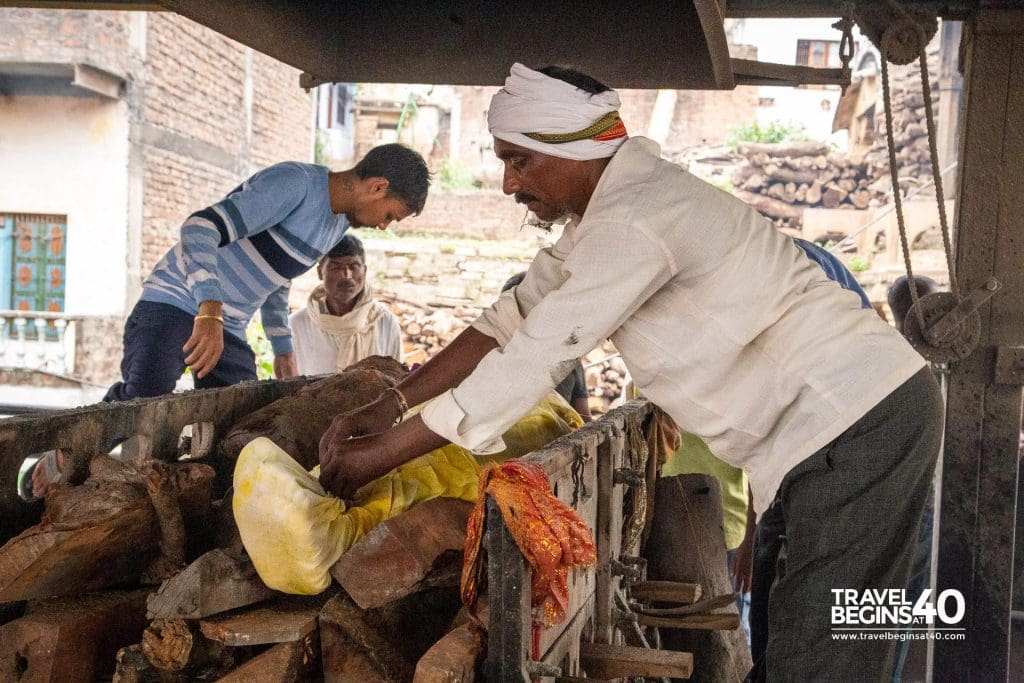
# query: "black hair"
{"type": "Point", "coordinates": [577, 78]}
{"type": "Point", "coordinates": [349, 245]}
{"type": "Point", "coordinates": [406, 172]}
{"type": "Point", "coordinates": [899, 299]}
{"type": "Point", "coordinates": [513, 281]}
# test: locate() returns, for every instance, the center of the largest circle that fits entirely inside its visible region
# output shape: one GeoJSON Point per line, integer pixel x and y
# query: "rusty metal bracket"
{"type": "Point", "coordinates": [1009, 367]}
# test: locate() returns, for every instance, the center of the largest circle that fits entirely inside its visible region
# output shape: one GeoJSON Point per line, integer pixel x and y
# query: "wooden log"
{"type": "Point", "coordinates": [71, 639]}
{"type": "Point", "coordinates": [453, 659]}
{"type": "Point", "coordinates": [619, 661]}
{"type": "Point", "coordinates": [396, 557]}
{"type": "Point", "coordinates": [687, 545]}
{"type": "Point", "coordinates": [848, 184]}
{"type": "Point", "coordinates": [297, 660]}
{"type": "Point", "coordinates": [833, 196]}
{"type": "Point", "coordinates": [176, 646]}
{"type": "Point", "coordinates": [353, 650]}
{"type": "Point", "coordinates": [282, 621]}
{"type": "Point", "coordinates": [772, 208]}
{"type": "Point", "coordinates": [814, 193]}
{"type": "Point", "coordinates": [788, 175]}
{"type": "Point", "coordinates": [666, 591]}
{"type": "Point", "coordinates": [296, 423]}
{"type": "Point", "coordinates": [105, 532]}
{"type": "Point", "coordinates": [860, 199]}
{"type": "Point", "coordinates": [783, 149]}
{"type": "Point", "coordinates": [214, 583]}
{"type": "Point", "coordinates": [132, 666]}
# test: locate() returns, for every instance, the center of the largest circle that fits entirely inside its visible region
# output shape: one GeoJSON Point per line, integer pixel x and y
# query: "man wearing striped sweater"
{"type": "Point", "coordinates": [240, 255]}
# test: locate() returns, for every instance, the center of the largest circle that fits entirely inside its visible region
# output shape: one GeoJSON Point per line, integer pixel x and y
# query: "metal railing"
{"type": "Point", "coordinates": [27, 341]}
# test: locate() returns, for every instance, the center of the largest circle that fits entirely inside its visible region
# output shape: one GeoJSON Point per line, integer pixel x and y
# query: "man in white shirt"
{"type": "Point", "coordinates": [723, 321]}
{"type": "Point", "coordinates": [342, 322]}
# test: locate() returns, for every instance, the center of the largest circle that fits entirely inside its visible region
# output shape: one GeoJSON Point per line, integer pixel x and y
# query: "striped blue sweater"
{"type": "Point", "coordinates": [244, 250]}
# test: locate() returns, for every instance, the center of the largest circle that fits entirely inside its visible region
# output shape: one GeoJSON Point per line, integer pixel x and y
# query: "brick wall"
{"type": "Point", "coordinates": [199, 138]}
{"type": "Point", "coordinates": [481, 214]}
{"type": "Point", "coordinates": [71, 36]}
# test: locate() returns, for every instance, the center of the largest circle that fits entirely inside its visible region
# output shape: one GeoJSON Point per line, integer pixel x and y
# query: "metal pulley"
{"type": "Point", "coordinates": [952, 326]}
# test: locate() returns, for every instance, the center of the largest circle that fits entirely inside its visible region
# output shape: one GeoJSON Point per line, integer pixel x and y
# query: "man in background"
{"type": "Point", "coordinates": [342, 322]}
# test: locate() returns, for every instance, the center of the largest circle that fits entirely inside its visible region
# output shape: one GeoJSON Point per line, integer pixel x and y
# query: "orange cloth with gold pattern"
{"type": "Point", "coordinates": [551, 536]}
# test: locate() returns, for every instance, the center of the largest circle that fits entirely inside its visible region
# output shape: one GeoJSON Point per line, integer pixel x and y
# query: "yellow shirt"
{"type": "Point", "coordinates": [694, 457]}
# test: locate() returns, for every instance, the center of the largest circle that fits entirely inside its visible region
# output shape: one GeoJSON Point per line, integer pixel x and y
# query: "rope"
{"type": "Point", "coordinates": [933, 150]}
{"type": "Point", "coordinates": [893, 172]}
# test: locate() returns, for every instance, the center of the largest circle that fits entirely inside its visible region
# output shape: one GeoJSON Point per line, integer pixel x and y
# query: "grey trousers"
{"type": "Point", "coordinates": [851, 514]}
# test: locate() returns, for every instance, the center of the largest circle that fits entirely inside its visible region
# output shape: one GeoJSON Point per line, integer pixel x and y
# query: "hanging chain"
{"type": "Point", "coordinates": [846, 46]}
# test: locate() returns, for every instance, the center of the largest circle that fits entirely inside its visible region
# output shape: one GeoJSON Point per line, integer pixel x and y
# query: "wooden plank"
{"type": "Point", "coordinates": [284, 621]}
{"type": "Point", "coordinates": [693, 622]}
{"type": "Point", "coordinates": [620, 661]}
{"type": "Point", "coordinates": [216, 582]}
{"type": "Point", "coordinates": [71, 639]}
{"type": "Point", "coordinates": [753, 72]}
{"type": "Point", "coordinates": [980, 474]}
{"type": "Point", "coordinates": [666, 591]}
{"type": "Point", "coordinates": [608, 533]}
{"type": "Point", "coordinates": [285, 662]}
{"type": "Point", "coordinates": [84, 432]}
{"type": "Point", "coordinates": [508, 597]}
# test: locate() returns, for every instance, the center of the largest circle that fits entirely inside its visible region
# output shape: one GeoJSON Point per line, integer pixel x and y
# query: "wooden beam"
{"type": "Point", "coordinates": [753, 72]}
{"type": "Point", "coordinates": [666, 591]}
{"type": "Point", "coordinates": [618, 661]}
{"type": "Point", "coordinates": [785, 9]}
{"type": "Point", "coordinates": [980, 475]}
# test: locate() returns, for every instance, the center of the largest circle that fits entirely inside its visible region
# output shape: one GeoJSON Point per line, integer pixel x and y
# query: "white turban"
{"type": "Point", "coordinates": [553, 117]}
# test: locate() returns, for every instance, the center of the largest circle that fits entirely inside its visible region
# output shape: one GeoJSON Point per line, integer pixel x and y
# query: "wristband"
{"type": "Point", "coordinates": [218, 318]}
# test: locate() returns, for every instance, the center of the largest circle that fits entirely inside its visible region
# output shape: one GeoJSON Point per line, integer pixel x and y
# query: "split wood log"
{"type": "Point", "coordinates": [216, 582]}
{"type": "Point", "coordinates": [295, 423]}
{"type": "Point", "coordinates": [693, 622]}
{"type": "Point", "coordinates": [618, 661]}
{"type": "Point", "coordinates": [281, 621]}
{"type": "Point", "coordinates": [298, 660]}
{"type": "Point", "coordinates": [860, 199]}
{"type": "Point", "coordinates": [687, 545]}
{"type": "Point", "coordinates": [176, 645]}
{"type": "Point", "coordinates": [453, 659]}
{"type": "Point", "coordinates": [353, 650]}
{"type": "Point", "coordinates": [402, 554]}
{"type": "Point", "coordinates": [383, 644]}
{"type": "Point", "coordinates": [783, 149]}
{"type": "Point", "coordinates": [772, 208]}
{"type": "Point", "coordinates": [107, 531]}
{"type": "Point", "coordinates": [71, 639]}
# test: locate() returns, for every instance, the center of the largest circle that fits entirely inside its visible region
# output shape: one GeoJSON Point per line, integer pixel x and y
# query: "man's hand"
{"type": "Point", "coordinates": [285, 365]}
{"type": "Point", "coordinates": [373, 418]}
{"type": "Point", "coordinates": [346, 464]}
{"type": "Point", "coordinates": [206, 344]}
{"type": "Point", "coordinates": [743, 566]}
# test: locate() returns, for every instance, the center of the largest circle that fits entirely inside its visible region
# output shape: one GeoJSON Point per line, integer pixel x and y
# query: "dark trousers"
{"type": "Point", "coordinates": [847, 517]}
{"type": "Point", "coordinates": [153, 360]}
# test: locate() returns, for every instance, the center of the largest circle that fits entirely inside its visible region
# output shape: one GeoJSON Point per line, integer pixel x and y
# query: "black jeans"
{"type": "Point", "coordinates": [153, 360]}
{"type": "Point", "coordinates": [846, 517]}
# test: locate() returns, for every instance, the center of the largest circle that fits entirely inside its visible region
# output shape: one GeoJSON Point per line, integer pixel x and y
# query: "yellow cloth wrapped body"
{"type": "Point", "coordinates": [294, 531]}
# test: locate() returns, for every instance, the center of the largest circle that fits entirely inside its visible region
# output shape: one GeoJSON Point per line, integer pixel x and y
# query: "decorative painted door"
{"type": "Point", "coordinates": [35, 257]}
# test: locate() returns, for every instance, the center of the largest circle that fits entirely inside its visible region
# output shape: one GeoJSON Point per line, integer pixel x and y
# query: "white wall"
{"type": "Point", "coordinates": [69, 156]}
{"type": "Point", "coordinates": [776, 41]}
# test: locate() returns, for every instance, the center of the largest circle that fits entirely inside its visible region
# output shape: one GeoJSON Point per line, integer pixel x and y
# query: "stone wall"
{"type": "Point", "coordinates": [479, 214]}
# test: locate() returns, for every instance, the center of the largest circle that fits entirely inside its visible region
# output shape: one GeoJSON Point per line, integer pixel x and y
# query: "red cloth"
{"type": "Point", "coordinates": [551, 536]}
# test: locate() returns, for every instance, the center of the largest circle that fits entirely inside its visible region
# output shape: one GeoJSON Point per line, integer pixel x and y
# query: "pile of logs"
{"type": "Point", "coordinates": [427, 329]}
{"type": "Point", "coordinates": [139, 573]}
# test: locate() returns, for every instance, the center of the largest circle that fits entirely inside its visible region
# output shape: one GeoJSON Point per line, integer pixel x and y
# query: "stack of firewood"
{"type": "Point", "coordinates": [139, 573]}
{"type": "Point", "coordinates": [427, 329]}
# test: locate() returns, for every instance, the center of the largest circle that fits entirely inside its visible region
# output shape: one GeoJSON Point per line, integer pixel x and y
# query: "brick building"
{"type": "Point", "coordinates": [114, 126]}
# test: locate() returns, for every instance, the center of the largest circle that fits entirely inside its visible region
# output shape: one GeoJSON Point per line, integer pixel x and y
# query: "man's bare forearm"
{"type": "Point", "coordinates": [448, 368]}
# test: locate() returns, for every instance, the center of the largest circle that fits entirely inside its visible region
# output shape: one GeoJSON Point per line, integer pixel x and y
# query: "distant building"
{"type": "Point", "coordinates": [114, 126]}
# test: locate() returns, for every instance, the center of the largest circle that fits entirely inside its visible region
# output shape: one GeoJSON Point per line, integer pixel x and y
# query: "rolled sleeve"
{"type": "Point", "coordinates": [603, 283]}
